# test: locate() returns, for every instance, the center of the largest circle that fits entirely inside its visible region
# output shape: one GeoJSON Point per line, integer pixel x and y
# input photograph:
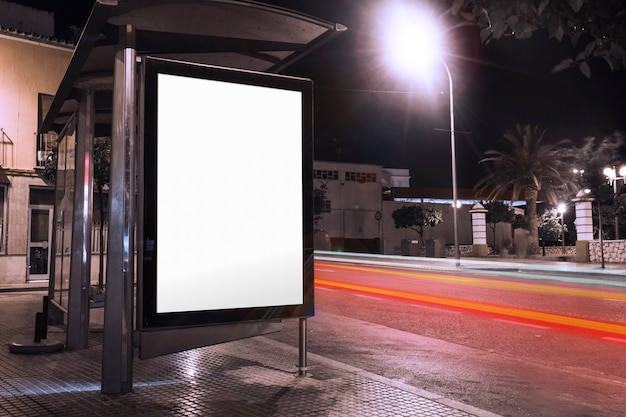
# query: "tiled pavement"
{"type": "Point", "coordinates": [252, 377]}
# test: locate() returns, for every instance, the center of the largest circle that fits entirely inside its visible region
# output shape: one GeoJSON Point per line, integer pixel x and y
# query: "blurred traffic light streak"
{"type": "Point", "coordinates": [598, 328]}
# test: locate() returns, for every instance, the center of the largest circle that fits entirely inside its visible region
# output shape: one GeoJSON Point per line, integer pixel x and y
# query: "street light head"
{"type": "Point", "coordinates": [622, 171]}
{"type": "Point", "coordinates": [561, 208]}
{"type": "Point", "coordinates": [412, 39]}
{"type": "Point", "coordinates": [609, 173]}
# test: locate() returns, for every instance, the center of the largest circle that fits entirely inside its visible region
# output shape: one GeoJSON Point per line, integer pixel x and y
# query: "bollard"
{"type": "Point", "coordinates": [38, 321]}
{"type": "Point", "coordinates": [44, 318]}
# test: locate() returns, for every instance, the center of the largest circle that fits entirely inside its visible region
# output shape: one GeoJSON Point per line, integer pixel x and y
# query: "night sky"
{"type": "Point", "coordinates": [366, 112]}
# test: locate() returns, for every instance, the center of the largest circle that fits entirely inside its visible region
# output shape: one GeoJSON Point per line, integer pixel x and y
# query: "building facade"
{"type": "Point", "coordinates": [359, 202]}
{"type": "Point", "coordinates": [31, 68]}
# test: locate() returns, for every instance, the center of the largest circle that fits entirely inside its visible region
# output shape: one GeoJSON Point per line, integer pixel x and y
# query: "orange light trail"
{"type": "Point", "coordinates": [486, 308]}
{"type": "Point", "coordinates": [486, 283]}
{"type": "Point", "coordinates": [478, 307]}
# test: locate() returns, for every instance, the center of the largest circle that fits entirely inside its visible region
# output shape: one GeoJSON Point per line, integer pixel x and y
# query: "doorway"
{"type": "Point", "coordinates": [39, 238]}
{"type": "Point", "coordinates": [40, 218]}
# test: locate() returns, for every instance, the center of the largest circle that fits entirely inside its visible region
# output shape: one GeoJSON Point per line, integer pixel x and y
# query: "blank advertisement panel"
{"type": "Point", "coordinates": [227, 221]}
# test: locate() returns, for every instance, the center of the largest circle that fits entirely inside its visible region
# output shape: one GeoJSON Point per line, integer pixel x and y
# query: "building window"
{"type": "Point", "coordinates": [360, 176]}
{"type": "Point", "coordinates": [2, 216]}
{"type": "Point", "coordinates": [45, 141]}
{"type": "Point", "coordinates": [325, 174]}
{"type": "Point", "coordinates": [326, 208]}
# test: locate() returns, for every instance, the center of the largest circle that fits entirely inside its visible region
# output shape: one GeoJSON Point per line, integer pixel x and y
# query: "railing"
{"type": "Point", "coordinates": [95, 237]}
{"type": "Point", "coordinates": [46, 143]}
{"type": "Point", "coordinates": [7, 144]}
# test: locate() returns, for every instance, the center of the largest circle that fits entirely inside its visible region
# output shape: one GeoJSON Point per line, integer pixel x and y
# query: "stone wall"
{"type": "Point", "coordinates": [557, 250]}
{"type": "Point", "coordinates": [614, 251]}
{"type": "Point", "coordinates": [464, 250]}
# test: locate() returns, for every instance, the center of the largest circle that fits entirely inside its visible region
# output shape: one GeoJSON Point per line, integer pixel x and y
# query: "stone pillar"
{"type": "Point", "coordinates": [479, 230]}
{"type": "Point", "coordinates": [584, 225]}
{"type": "Point", "coordinates": [584, 219]}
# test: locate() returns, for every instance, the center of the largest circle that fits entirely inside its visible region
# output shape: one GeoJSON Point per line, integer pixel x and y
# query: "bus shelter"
{"type": "Point", "coordinates": [100, 95]}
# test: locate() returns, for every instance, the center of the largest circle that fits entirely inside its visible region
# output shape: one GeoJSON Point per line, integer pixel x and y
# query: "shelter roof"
{"type": "Point", "coordinates": [231, 33]}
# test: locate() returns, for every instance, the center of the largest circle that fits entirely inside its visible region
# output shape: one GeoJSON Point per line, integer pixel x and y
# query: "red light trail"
{"type": "Point", "coordinates": [508, 312]}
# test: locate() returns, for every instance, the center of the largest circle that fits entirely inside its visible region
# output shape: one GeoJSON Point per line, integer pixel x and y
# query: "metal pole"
{"type": "Point", "coordinates": [616, 219]}
{"type": "Point", "coordinates": [80, 261]}
{"type": "Point", "coordinates": [563, 233]}
{"type": "Point", "coordinates": [455, 199]}
{"type": "Point", "coordinates": [600, 227]}
{"type": "Point", "coordinates": [117, 350]}
{"type": "Point", "coordinates": [302, 361]}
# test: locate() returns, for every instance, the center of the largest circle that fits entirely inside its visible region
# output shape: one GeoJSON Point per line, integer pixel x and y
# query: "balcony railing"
{"type": "Point", "coordinates": [6, 153]}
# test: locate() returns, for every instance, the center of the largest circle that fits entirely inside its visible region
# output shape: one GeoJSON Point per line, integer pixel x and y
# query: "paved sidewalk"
{"type": "Point", "coordinates": [252, 377]}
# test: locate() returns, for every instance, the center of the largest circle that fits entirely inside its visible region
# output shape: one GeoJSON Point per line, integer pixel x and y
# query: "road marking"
{"type": "Point", "coordinates": [370, 297]}
{"type": "Point", "coordinates": [615, 339]}
{"type": "Point", "coordinates": [535, 326]}
{"type": "Point", "coordinates": [613, 299]}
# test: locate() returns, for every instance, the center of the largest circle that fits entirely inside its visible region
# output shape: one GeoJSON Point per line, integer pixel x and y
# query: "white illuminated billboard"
{"type": "Point", "coordinates": [229, 195]}
{"type": "Point", "coordinates": [227, 184]}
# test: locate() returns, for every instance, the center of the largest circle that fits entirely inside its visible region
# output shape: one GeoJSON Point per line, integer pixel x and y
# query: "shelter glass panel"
{"type": "Point", "coordinates": [63, 214]}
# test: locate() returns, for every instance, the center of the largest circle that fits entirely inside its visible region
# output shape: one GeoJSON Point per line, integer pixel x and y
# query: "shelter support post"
{"type": "Point", "coordinates": [302, 360]}
{"type": "Point", "coordinates": [117, 352]}
{"type": "Point", "coordinates": [80, 265]}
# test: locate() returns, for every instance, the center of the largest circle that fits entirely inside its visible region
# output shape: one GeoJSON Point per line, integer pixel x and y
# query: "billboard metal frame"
{"type": "Point", "coordinates": [199, 328]}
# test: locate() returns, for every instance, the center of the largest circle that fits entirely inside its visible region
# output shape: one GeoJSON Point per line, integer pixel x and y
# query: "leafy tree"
{"type": "Point", "coordinates": [595, 27]}
{"type": "Point", "coordinates": [101, 178]}
{"type": "Point", "coordinates": [49, 173]}
{"type": "Point", "coordinates": [416, 218]}
{"type": "Point", "coordinates": [593, 155]}
{"type": "Point", "coordinates": [526, 165]}
{"type": "Point", "coordinates": [319, 202]}
{"type": "Point", "coordinates": [550, 228]}
{"type": "Point", "coordinates": [520, 222]}
{"type": "Point", "coordinates": [498, 212]}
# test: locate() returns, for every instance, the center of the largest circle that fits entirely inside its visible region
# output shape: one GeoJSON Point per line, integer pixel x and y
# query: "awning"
{"type": "Point", "coordinates": [237, 34]}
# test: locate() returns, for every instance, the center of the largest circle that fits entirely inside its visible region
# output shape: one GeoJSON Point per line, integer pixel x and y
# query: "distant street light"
{"type": "Point", "coordinates": [562, 209]}
{"type": "Point", "coordinates": [413, 43]}
{"type": "Point", "coordinates": [612, 176]}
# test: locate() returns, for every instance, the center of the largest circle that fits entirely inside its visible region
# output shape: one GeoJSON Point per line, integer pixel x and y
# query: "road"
{"type": "Point", "coordinates": [515, 345]}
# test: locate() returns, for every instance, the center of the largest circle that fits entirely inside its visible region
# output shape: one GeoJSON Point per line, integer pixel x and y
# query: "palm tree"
{"type": "Point", "coordinates": [527, 165]}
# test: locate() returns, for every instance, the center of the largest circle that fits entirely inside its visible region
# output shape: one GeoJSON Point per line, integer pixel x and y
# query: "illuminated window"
{"type": "Point", "coordinates": [324, 174]}
{"type": "Point", "coordinates": [360, 176]}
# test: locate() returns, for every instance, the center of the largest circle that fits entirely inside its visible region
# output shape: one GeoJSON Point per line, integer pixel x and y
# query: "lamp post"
{"type": "Point", "coordinates": [600, 234]}
{"type": "Point", "coordinates": [561, 209]}
{"type": "Point", "coordinates": [412, 42]}
{"type": "Point", "coordinates": [612, 175]}
{"type": "Point", "coordinates": [455, 210]}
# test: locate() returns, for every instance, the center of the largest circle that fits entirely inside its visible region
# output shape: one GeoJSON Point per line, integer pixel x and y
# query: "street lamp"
{"type": "Point", "coordinates": [612, 176]}
{"type": "Point", "coordinates": [561, 209]}
{"type": "Point", "coordinates": [413, 43]}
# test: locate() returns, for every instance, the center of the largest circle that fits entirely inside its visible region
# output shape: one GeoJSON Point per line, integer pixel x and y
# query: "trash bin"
{"type": "Point", "coordinates": [440, 248]}
{"type": "Point", "coordinates": [410, 247]}
{"type": "Point", "coordinates": [430, 248]}
{"type": "Point", "coordinates": [436, 248]}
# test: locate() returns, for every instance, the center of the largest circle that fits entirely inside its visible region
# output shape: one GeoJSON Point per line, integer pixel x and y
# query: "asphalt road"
{"type": "Point", "coordinates": [514, 346]}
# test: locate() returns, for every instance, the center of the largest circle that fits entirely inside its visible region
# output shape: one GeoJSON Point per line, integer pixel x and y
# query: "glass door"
{"type": "Point", "coordinates": [39, 238]}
